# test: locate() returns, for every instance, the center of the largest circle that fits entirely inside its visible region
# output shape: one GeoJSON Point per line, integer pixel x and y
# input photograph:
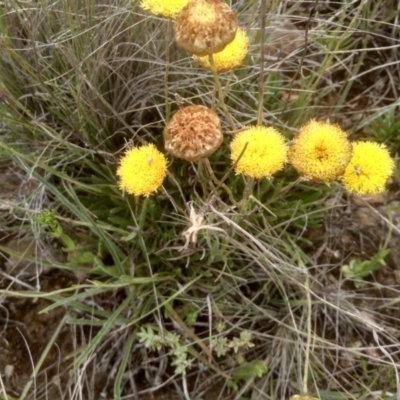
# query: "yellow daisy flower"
{"type": "Point", "coordinates": [231, 56]}
{"type": "Point", "coordinates": [164, 8]}
{"type": "Point", "coordinates": [369, 169]}
{"type": "Point", "coordinates": [320, 151]}
{"type": "Point", "coordinates": [142, 170]}
{"type": "Point", "coordinates": [265, 154]}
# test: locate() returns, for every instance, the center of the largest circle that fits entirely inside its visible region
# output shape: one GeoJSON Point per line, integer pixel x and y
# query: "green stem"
{"type": "Point", "coordinates": [283, 192]}
{"type": "Point", "coordinates": [248, 190]}
{"type": "Point", "coordinates": [207, 167]}
{"type": "Point", "coordinates": [221, 183]}
{"type": "Point", "coordinates": [204, 182]}
{"type": "Point", "coordinates": [142, 244]}
{"type": "Point", "coordinates": [142, 216]}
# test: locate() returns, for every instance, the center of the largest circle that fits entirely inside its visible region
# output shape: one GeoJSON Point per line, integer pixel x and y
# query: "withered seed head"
{"type": "Point", "coordinates": [194, 132]}
{"type": "Point", "coordinates": [205, 27]}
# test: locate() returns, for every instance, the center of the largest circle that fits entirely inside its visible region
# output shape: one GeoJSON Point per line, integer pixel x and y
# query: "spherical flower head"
{"type": "Point", "coordinates": [369, 168]}
{"type": "Point", "coordinates": [205, 27]}
{"type": "Point", "coordinates": [164, 8]}
{"type": "Point", "coordinates": [193, 133]}
{"type": "Point", "coordinates": [265, 154]}
{"type": "Point", "coordinates": [320, 151]}
{"type": "Point", "coordinates": [231, 56]}
{"type": "Point", "coordinates": [142, 170]}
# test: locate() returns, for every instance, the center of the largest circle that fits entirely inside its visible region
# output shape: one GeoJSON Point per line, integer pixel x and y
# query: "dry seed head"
{"type": "Point", "coordinates": [205, 27]}
{"type": "Point", "coordinates": [194, 132]}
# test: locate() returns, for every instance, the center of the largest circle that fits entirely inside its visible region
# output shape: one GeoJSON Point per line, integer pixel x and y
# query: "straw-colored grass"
{"type": "Point", "coordinates": [249, 309]}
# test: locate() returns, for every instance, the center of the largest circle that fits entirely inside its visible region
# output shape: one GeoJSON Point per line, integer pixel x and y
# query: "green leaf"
{"type": "Point", "coordinates": [358, 269]}
{"type": "Point", "coordinates": [220, 346]}
{"type": "Point", "coordinates": [68, 242]}
{"type": "Point", "coordinates": [150, 339]}
{"type": "Point", "coordinates": [129, 237]}
{"type": "Point", "coordinates": [254, 369]}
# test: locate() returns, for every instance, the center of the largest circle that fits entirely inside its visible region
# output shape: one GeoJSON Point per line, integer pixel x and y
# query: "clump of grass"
{"type": "Point", "coordinates": [204, 281]}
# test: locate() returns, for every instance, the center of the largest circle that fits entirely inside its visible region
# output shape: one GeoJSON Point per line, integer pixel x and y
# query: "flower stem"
{"type": "Point", "coordinates": [166, 74]}
{"type": "Point", "coordinates": [142, 245]}
{"type": "Point", "coordinates": [248, 190]}
{"type": "Point", "coordinates": [261, 77]}
{"type": "Point", "coordinates": [309, 322]}
{"type": "Point", "coordinates": [143, 212]}
{"type": "Point", "coordinates": [287, 189]}
{"type": "Point", "coordinates": [220, 92]}
{"type": "Point", "coordinates": [207, 167]}
{"type": "Point", "coordinates": [204, 179]}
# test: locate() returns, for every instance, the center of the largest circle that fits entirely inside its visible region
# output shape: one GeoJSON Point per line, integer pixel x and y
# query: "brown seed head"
{"type": "Point", "coordinates": [205, 27]}
{"type": "Point", "coordinates": [194, 132]}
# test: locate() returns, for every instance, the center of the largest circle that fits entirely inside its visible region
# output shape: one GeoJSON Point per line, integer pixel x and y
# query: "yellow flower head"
{"type": "Point", "coordinates": [164, 8]}
{"type": "Point", "coordinates": [231, 56]}
{"type": "Point", "coordinates": [265, 154]}
{"type": "Point", "coordinates": [142, 170]}
{"type": "Point", "coordinates": [320, 151]}
{"type": "Point", "coordinates": [369, 169]}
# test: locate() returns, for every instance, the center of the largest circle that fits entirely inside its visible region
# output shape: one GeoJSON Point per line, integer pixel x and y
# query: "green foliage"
{"type": "Point", "coordinates": [7, 397]}
{"type": "Point", "coordinates": [220, 345]}
{"type": "Point", "coordinates": [179, 350]}
{"type": "Point", "coordinates": [242, 342]}
{"type": "Point", "coordinates": [248, 371]}
{"type": "Point", "coordinates": [357, 269]}
{"type": "Point", "coordinates": [386, 129]}
{"type": "Point", "coordinates": [47, 219]}
{"type": "Point", "coordinates": [175, 344]}
{"type": "Point", "coordinates": [76, 255]}
{"type": "Point", "coordinates": [150, 339]}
